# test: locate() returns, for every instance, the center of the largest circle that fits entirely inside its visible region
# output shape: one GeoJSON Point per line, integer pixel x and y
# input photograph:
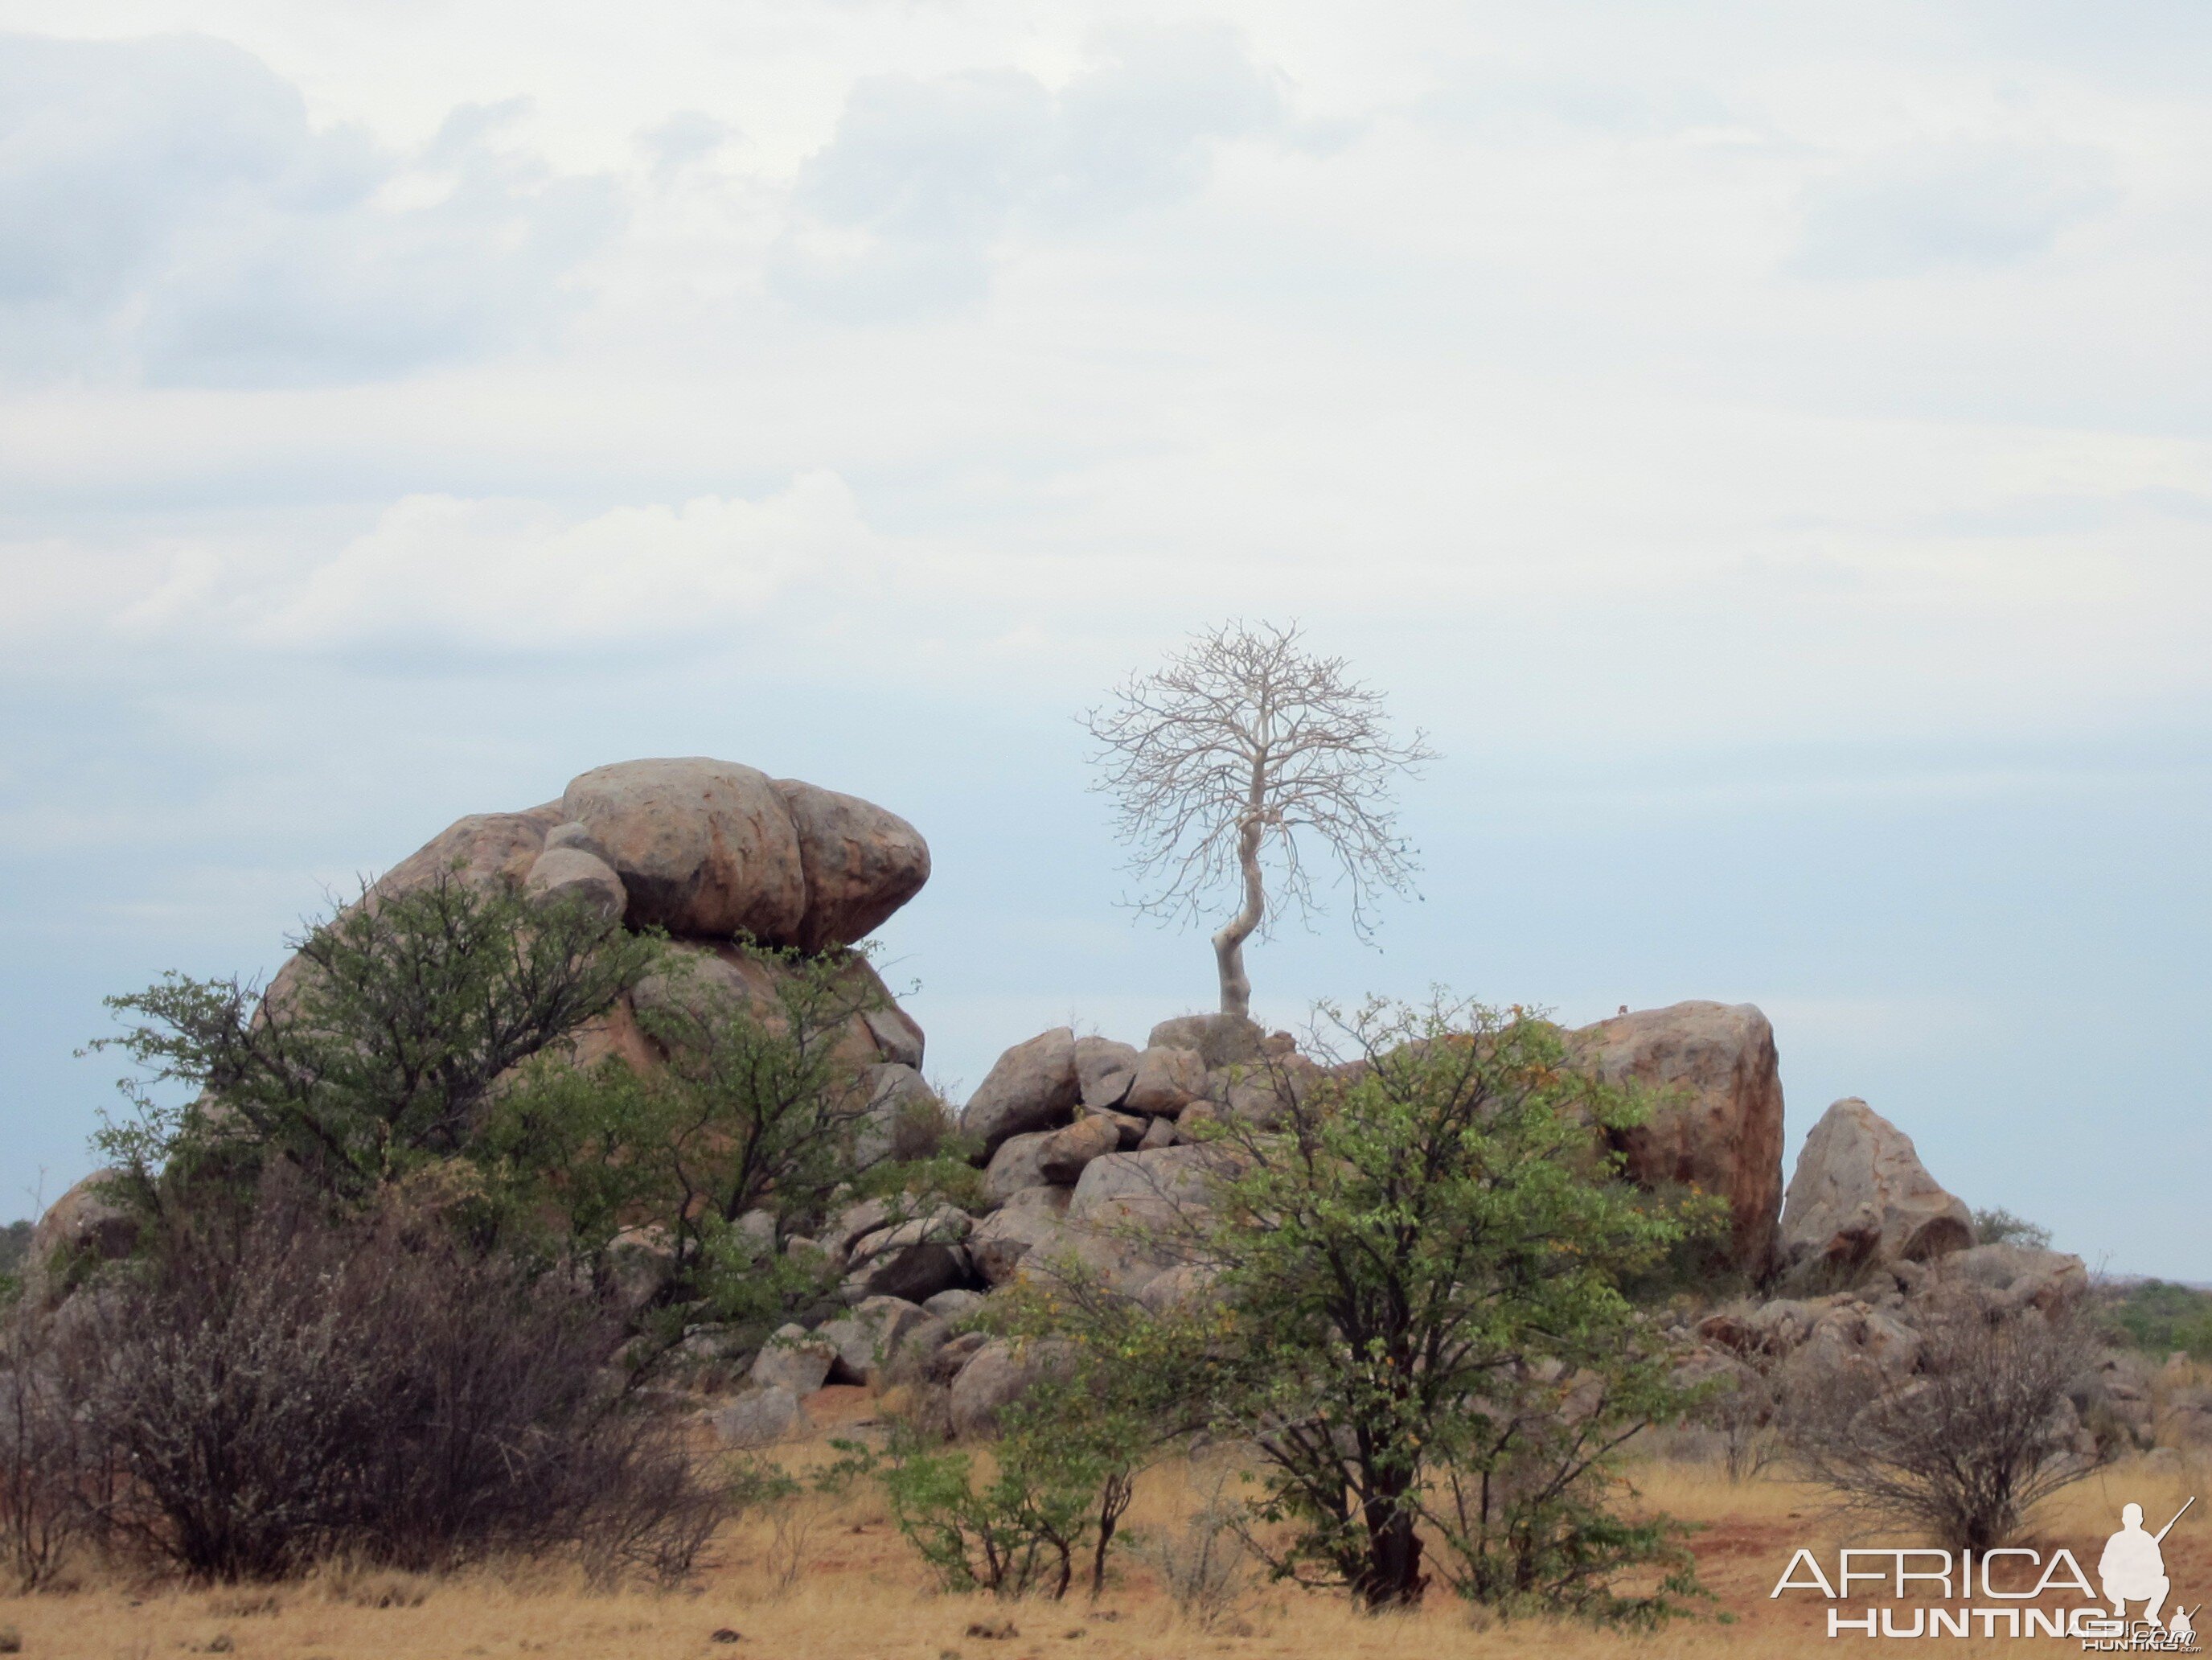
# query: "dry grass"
{"type": "Point", "coordinates": [844, 1587]}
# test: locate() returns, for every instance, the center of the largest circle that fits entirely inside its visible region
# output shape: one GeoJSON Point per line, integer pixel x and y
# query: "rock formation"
{"type": "Point", "coordinates": [706, 849]}
{"type": "Point", "coordinates": [1032, 1087]}
{"type": "Point", "coordinates": [711, 852]}
{"type": "Point", "coordinates": [1085, 1141]}
{"type": "Point", "coordinates": [1716, 1122]}
{"type": "Point", "coordinates": [83, 1225]}
{"type": "Point", "coordinates": [1860, 1195]}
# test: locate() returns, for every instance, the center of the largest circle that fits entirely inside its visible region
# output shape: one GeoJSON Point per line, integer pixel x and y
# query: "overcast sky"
{"type": "Point", "coordinates": [1765, 447]}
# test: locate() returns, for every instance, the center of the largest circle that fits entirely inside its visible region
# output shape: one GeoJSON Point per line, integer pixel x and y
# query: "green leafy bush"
{"type": "Point", "coordinates": [425, 1039]}
{"type": "Point", "coordinates": [2161, 1319]}
{"type": "Point", "coordinates": [377, 1050]}
{"type": "Point", "coordinates": [1014, 1532]}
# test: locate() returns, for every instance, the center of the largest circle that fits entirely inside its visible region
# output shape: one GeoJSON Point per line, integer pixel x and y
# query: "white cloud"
{"type": "Point", "coordinates": [508, 575]}
{"type": "Point", "coordinates": [172, 213]}
{"type": "Point", "coordinates": [902, 213]}
{"type": "Point", "coordinates": [1930, 206]}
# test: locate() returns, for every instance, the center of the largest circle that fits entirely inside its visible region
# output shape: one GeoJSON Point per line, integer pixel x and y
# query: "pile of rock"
{"type": "Point", "coordinates": [1873, 1254]}
{"type": "Point", "coordinates": [1089, 1156]}
{"type": "Point", "coordinates": [1081, 1138]}
{"type": "Point", "coordinates": [710, 851]}
{"type": "Point", "coordinates": [1086, 1136]}
{"type": "Point", "coordinates": [1877, 1333]}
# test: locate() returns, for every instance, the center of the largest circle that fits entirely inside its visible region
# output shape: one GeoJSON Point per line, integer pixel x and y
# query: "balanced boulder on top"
{"type": "Point", "coordinates": [704, 849]}
{"type": "Point", "coordinates": [707, 849]}
{"type": "Point", "coordinates": [710, 849]}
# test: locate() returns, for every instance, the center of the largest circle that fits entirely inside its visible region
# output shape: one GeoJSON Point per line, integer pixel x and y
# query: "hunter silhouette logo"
{"type": "Point", "coordinates": [2133, 1567]}
{"type": "Point", "coordinates": [2002, 1592]}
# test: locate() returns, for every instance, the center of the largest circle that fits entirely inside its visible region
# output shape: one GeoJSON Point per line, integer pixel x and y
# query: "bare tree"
{"type": "Point", "coordinates": [1224, 757]}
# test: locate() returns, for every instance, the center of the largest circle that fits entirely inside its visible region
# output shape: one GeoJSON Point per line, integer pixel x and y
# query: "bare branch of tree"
{"type": "Point", "coordinates": [1225, 757]}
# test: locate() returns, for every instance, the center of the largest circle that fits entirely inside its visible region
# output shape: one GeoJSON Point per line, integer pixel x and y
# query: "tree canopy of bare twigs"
{"type": "Point", "coordinates": [1967, 1447]}
{"type": "Point", "coordinates": [1233, 762]}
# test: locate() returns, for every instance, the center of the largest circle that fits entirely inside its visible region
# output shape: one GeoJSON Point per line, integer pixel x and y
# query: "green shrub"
{"type": "Point", "coordinates": [1015, 1534]}
{"type": "Point", "coordinates": [2160, 1317]}
{"type": "Point", "coordinates": [374, 1053]}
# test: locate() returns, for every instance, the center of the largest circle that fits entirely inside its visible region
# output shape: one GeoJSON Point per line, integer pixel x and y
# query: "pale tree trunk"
{"type": "Point", "coordinates": [1228, 944]}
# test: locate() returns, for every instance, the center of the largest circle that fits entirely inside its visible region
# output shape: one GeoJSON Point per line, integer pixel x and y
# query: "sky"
{"type": "Point", "coordinates": [1765, 449]}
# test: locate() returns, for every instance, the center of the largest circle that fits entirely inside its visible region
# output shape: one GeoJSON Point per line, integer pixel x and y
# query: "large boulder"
{"type": "Point", "coordinates": [1179, 1179]}
{"type": "Point", "coordinates": [1014, 1166]}
{"type": "Point", "coordinates": [854, 1222]}
{"type": "Point", "coordinates": [904, 1119]}
{"type": "Point", "coordinates": [2015, 1277]}
{"type": "Point", "coordinates": [794, 1360]}
{"type": "Point", "coordinates": [1221, 1040]}
{"type": "Point", "coordinates": [1860, 1195]}
{"type": "Point", "coordinates": [869, 1339]}
{"type": "Point", "coordinates": [639, 1262]}
{"type": "Point", "coordinates": [703, 981]}
{"type": "Point", "coordinates": [1103, 1071]}
{"type": "Point", "coordinates": [568, 875]}
{"type": "Point", "coordinates": [84, 1225]}
{"type": "Point", "coordinates": [1715, 1122]}
{"type": "Point", "coordinates": [1167, 1079]}
{"type": "Point", "coordinates": [952, 1306]}
{"type": "Point", "coordinates": [1033, 1221]}
{"type": "Point", "coordinates": [484, 847]}
{"type": "Point", "coordinates": [705, 848]}
{"type": "Point", "coordinates": [943, 1363]}
{"type": "Point", "coordinates": [999, 1374]}
{"type": "Point", "coordinates": [1184, 1286]}
{"type": "Point", "coordinates": [1064, 1155]}
{"type": "Point", "coordinates": [1032, 1086]}
{"type": "Point", "coordinates": [760, 1418]}
{"type": "Point", "coordinates": [1133, 1216]}
{"type": "Point", "coordinates": [1869, 1335]}
{"type": "Point", "coordinates": [1265, 1094]}
{"type": "Point", "coordinates": [861, 863]}
{"type": "Point", "coordinates": [896, 1033]}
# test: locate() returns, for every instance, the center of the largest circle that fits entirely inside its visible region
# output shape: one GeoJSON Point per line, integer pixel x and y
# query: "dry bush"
{"type": "Point", "coordinates": [1967, 1446]}
{"type": "Point", "coordinates": [794, 1525]}
{"type": "Point", "coordinates": [289, 1390]}
{"type": "Point", "coordinates": [1745, 1410]}
{"type": "Point", "coordinates": [54, 1479]}
{"type": "Point", "coordinates": [1205, 1565]}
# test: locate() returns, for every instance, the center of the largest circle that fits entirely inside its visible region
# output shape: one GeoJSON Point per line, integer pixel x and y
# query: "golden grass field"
{"type": "Point", "coordinates": [832, 1581]}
